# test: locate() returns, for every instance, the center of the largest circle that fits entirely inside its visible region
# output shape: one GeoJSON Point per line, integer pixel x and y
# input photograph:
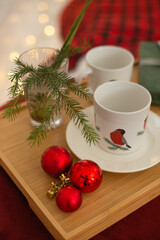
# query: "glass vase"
{"type": "Point", "coordinates": [39, 97]}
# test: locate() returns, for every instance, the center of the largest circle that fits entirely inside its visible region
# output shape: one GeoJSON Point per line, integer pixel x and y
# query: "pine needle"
{"type": "Point", "coordinates": [56, 82]}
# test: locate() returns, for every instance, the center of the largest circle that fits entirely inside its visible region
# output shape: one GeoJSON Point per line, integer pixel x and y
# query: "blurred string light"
{"type": "Point", "coordinates": [43, 18]}
{"type": "Point", "coordinates": [42, 6]}
{"type": "Point", "coordinates": [30, 39]}
{"type": "Point", "coordinates": [49, 30]}
{"type": "Point", "coordinates": [59, 0]}
{"type": "Point", "coordinates": [13, 55]}
{"type": "Point", "coordinates": [14, 18]}
{"type": "Point", "coordinates": [25, 5]}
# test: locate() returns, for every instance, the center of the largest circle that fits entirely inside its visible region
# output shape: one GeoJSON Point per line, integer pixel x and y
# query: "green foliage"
{"type": "Point", "coordinates": [74, 27]}
{"type": "Point", "coordinates": [38, 135]}
{"type": "Point", "coordinates": [56, 82]}
{"type": "Point", "coordinates": [13, 108]}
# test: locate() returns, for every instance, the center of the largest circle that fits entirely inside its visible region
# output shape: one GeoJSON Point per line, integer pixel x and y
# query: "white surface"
{"type": "Point", "coordinates": [19, 20]}
{"type": "Point", "coordinates": [108, 63]}
{"type": "Point", "coordinates": [145, 157]}
{"type": "Point", "coordinates": [121, 105]}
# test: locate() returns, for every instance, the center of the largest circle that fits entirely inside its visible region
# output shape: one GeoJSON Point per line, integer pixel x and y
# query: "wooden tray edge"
{"type": "Point", "coordinates": [135, 201]}
{"type": "Point", "coordinates": [35, 204]}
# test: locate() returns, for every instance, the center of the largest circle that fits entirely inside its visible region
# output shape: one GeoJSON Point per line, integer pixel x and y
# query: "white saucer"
{"type": "Point", "coordinates": [145, 157]}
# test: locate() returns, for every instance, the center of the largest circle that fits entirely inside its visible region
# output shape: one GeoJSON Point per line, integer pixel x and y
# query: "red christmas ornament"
{"type": "Point", "coordinates": [86, 175]}
{"type": "Point", "coordinates": [56, 160]}
{"type": "Point", "coordinates": [69, 199]}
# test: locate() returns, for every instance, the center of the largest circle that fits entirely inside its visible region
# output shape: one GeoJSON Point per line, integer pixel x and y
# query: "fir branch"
{"type": "Point", "coordinates": [80, 91]}
{"type": "Point", "coordinates": [13, 108]}
{"type": "Point", "coordinates": [74, 111]}
{"type": "Point", "coordinates": [68, 52]}
{"type": "Point", "coordinates": [20, 70]}
{"type": "Point", "coordinates": [38, 135]}
{"type": "Point", "coordinates": [35, 79]}
{"type": "Point", "coordinates": [15, 89]}
{"type": "Point", "coordinates": [52, 110]}
{"type": "Point", "coordinates": [68, 82]}
{"type": "Point", "coordinates": [15, 76]}
{"type": "Point", "coordinates": [57, 83]}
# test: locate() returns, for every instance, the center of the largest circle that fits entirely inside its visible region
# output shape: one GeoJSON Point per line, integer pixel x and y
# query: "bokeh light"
{"type": "Point", "coordinates": [59, 0]}
{"type": "Point", "coordinates": [13, 55]}
{"type": "Point", "coordinates": [49, 30]}
{"type": "Point", "coordinates": [14, 18]}
{"type": "Point", "coordinates": [30, 39]}
{"type": "Point", "coordinates": [43, 18]}
{"type": "Point", "coordinates": [42, 6]}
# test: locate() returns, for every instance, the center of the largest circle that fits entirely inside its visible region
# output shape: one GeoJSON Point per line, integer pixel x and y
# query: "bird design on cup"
{"type": "Point", "coordinates": [144, 126]}
{"type": "Point", "coordinates": [118, 140]}
{"type": "Point", "coordinates": [145, 122]}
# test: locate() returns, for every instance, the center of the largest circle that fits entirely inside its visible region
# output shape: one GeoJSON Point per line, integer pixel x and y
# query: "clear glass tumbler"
{"type": "Point", "coordinates": [39, 97]}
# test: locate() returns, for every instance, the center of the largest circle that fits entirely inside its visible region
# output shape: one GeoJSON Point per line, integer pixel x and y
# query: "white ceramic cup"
{"type": "Point", "coordinates": [106, 63]}
{"type": "Point", "coordinates": [121, 111]}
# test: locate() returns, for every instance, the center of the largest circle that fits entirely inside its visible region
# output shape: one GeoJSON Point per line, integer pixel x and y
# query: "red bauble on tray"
{"type": "Point", "coordinates": [69, 199]}
{"type": "Point", "coordinates": [56, 160]}
{"type": "Point", "coordinates": [86, 175]}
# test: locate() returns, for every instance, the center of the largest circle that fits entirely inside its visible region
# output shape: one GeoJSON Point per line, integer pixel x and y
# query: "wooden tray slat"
{"type": "Point", "coordinates": [118, 195]}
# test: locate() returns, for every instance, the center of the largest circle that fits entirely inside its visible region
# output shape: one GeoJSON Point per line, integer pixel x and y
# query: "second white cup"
{"type": "Point", "coordinates": [107, 63]}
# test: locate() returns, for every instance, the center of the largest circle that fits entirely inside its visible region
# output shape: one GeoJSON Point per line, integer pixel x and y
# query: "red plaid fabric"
{"type": "Point", "coordinates": [114, 22]}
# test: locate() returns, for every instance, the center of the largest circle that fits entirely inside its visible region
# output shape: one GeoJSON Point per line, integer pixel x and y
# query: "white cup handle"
{"type": "Point", "coordinates": [83, 74]}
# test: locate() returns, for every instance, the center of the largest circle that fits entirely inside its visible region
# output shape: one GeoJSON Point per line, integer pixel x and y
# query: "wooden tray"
{"type": "Point", "coordinates": [118, 195]}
